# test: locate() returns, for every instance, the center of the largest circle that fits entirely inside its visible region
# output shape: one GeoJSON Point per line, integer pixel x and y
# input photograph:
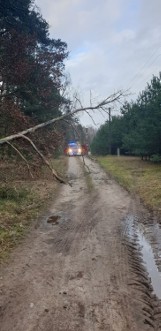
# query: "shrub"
{"type": "Point", "coordinates": [11, 193]}
{"type": "Point", "coordinates": [156, 158]}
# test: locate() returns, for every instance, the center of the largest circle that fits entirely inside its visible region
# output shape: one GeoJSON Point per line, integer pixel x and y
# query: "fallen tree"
{"type": "Point", "coordinates": [101, 106]}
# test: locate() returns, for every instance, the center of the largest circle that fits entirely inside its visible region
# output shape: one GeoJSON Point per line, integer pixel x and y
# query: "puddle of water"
{"type": "Point", "coordinates": [53, 219]}
{"type": "Point", "coordinates": [148, 258]}
{"type": "Point", "coordinates": [138, 233]}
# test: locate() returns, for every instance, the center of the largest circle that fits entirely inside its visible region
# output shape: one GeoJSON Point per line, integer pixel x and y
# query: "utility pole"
{"type": "Point", "coordinates": [109, 136]}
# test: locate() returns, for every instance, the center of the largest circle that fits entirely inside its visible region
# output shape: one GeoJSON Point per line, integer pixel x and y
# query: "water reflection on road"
{"type": "Point", "coordinates": [148, 239]}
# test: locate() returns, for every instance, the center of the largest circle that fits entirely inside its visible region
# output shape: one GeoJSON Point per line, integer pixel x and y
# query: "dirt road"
{"type": "Point", "coordinates": [81, 267]}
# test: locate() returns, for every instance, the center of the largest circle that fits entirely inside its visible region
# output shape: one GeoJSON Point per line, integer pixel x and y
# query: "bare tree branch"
{"type": "Point", "coordinates": [99, 106]}
{"type": "Point", "coordinates": [90, 117]}
{"type": "Point", "coordinates": [78, 134]}
{"type": "Point", "coordinates": [90, 98]}
{"type": "Point", "coordinates": [85, 165]}
{"type": "Point", "coordinates": [108, 100]}
{"type": "Point", "coordinates": [73, 127]}
{"type": "Point", "coordinates": [55, 174]}
{"type": "Point", "coordinates": [21, 155]}
{"type": "Point", "coordinates": [78, 100]}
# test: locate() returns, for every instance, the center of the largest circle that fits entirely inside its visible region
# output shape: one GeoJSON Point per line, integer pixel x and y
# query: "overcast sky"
{"type": "Point", "coordinates": [113, 44]}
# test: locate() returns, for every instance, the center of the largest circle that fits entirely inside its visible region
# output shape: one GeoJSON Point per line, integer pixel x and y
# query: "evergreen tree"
{"type": "Point", "coordinates": [138, 129]}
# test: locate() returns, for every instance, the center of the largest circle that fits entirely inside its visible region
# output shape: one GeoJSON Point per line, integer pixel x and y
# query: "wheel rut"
{"type": "Point", "coordinates": [82, 268]}
{"type": "Point", "coordinates": [140, 281]}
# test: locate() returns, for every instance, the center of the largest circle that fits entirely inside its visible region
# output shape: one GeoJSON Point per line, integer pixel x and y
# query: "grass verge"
{"type": "Point", "coordinates": [140, 177]}
{"type": "Point", "coordinates": [22, 200]}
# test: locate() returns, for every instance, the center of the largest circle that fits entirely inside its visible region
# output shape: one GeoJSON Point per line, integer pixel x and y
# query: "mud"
{"type": "Point", "coordinates": [53, 219]}
{"type": "Point", "coordinates": [143, 236]}
{"type": "Point", "coordinates": [85, 265]}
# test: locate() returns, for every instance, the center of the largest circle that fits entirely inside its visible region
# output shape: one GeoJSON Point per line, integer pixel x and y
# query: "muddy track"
{"type": "Point", "coordinates": [140, 282]}
{"type": "Point", "coordinates": [82, 267]}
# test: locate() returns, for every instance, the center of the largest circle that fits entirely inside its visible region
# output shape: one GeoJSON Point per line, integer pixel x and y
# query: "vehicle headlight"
{"type": "Point", "coordinates": [79, 150]}
{"type": "Point", "coordinates": [70, 150]}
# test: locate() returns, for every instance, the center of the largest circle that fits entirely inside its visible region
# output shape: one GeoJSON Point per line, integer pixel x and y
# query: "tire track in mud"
{"type": "Point", "coordinates": [118, 305]}
{"type": "Point", "coordinates": [133, 272]}
{"type": "Point", "coordinates": [90, 276]}
{"type": "Point", "coordinates": [140, 280]}
{"type": "Point", "coordinates": [70, 233]}
{"type": "Point", "coordinates": [101, 297]}
{"type": "Point", "coordinates": [71, 236]}
{"type": "Point", "coordinates": [83, 230]}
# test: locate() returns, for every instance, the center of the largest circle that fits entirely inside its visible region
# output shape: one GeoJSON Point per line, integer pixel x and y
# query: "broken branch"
{"type": "Point", "coordinates": [55, 174]}
{"type": "Point", "coordinates": [106, 101]}
{"type": "Point", "coordinates": [21, 155]}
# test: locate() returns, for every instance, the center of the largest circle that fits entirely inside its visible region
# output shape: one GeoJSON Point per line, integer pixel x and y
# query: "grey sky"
{"type": "Point", "coordinates": [113, 44]}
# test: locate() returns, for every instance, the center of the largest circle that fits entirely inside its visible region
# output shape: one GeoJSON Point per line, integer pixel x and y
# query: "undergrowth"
{"type": "Point", "coordinates": [22, 200]}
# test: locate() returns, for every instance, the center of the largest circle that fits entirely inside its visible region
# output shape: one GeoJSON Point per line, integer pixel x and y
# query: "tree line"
{"type": "Point", "coordinates": [137, 129]}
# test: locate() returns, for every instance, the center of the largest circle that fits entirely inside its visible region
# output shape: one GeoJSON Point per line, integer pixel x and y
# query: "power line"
{"type": "Point", "coordinates": [143, 79]}
{"type": "Point", "coordinates": [145, 64]}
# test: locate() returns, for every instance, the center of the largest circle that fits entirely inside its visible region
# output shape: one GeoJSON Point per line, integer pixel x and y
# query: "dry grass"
{"type": "Point", "coordinates": [140, 177]}
{"type": "Point", "coordinates": [23, 199]}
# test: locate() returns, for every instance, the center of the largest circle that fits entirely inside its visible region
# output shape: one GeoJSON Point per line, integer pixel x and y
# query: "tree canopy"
{"type": "Point", "coordinates": [137, 130]}
{"type": "Point", "coordinates": [31, 68]}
